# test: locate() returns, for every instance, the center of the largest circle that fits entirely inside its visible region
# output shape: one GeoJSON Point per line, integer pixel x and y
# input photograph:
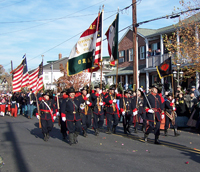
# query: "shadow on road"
{"type": "Point", "coordinates": [10, 136]}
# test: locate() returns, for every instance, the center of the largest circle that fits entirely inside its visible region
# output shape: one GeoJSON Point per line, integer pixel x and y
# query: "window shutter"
{"type": "Point", "coordinates": [138, 53]}
{"type": "Point", "coordinates": [158, 45]}
{"type": "Point", "coordinates": [145, 53]}
{"type": "Point", "coordinates": [127, 55]}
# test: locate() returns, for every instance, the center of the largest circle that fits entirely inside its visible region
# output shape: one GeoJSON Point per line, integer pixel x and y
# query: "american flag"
{"type": "Point", "coordinates": [99, 44]}
{"type": "Point", "coordinates": [40, 77]}
{"type": "Point", "coordinates": [25, 77]}
{"type": "Point", "coordinates": [36, 79]}
{"type": "Point", "coordinates": [98, 51]}
{"type": "Point", "coordinates": [17, 77]}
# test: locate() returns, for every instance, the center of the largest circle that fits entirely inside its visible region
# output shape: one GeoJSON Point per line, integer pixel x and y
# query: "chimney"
{"type": "Point", "coordinates": [59, 56]}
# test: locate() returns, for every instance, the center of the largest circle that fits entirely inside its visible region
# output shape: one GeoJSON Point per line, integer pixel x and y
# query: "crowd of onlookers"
{"type": "Point", "coordinates": [19, 103]}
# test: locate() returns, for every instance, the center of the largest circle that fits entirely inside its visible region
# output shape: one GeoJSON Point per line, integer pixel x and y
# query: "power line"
{"type": "Point", "coordinates": [12, 4]}
{"type": "Point", "coordinates": [52, 19]}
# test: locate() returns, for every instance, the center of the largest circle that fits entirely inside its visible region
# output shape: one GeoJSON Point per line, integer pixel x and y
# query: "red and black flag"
{"type": "Point", "coordinates": [165, 68]}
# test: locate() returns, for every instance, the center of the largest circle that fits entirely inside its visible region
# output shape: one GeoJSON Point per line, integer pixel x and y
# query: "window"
{"type": "Point", "coordinates": [121, 54]}
{"type": "Point", "coordinates": [131, 55]}
{"type": "Point", "coordinates": [142, 52]}
{"type": "Point", "coordinates": [154, 47]}
{"type": "Point", "coordinates": [94, 75]}
{"type": "Point", "coordinates": [46, 77]}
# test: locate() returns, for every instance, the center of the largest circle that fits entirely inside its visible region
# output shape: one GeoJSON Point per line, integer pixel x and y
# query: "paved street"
{"type": "Point", "coordinates": [23, 149]}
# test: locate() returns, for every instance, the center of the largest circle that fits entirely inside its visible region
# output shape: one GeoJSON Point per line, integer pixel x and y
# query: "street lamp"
{"type": "Point", "coordinates": [178, 75]}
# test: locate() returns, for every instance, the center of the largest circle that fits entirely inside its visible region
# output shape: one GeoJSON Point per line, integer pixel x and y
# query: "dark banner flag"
{"type": "Point", "coordinates": [165, 68]}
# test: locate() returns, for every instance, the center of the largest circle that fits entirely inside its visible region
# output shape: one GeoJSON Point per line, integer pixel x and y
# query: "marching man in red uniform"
{"type": "Point", "coordinates": [48, 114]}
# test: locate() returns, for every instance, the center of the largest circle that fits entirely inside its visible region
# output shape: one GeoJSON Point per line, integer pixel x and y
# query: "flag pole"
{"type": "Point", "coordinates": [101, 51]}
{"type": "Point", "coordinates": [12, 75]}
{"type": "Point", "coordinates": [172, 85]}
{"type": "Point", "coordinates": [117, 77]}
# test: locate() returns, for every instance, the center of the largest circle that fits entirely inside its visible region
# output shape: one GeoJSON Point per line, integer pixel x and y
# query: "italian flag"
{"type": "Point", "coordinates": [82, 54]}
{"type": "Point", "coordinates": [112, 37]}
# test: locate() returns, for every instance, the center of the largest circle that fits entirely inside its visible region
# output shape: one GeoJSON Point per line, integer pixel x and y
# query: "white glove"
{"type": "Point", "coordinates": [87, 102]}
{"type": "Point", "coordinates": [116, 91]}
{"type": "Point", "coordinates": [100, 91]}
{"type": "Point", "coordinates": [38, 117]}
{"type": "Point", "coordinates": [150, 111]}
{"type": "Point", "coordinates": [173, 100]}
{"type": "Point", "coordinates": [31, 102]}
{"type": "Point", "coordinates": [141, 89]}
{"type": "Point", "coordinates": [57, 114]}
{"type": "Point", "coordinates": [100, 103]}
{"type": "Point", "coordinates": [64, 119]}
{"type": "Point", "coordinates": [163, 116]}
{"type": "Point", "coordinates": [174, 108]}
{"type": "Point", "coordinates": [54, 118]}
{"type": "Point", "coordinates": [88, 95]}
{"type": "Point", "coordinates": [123, 113]}
{"type": "Point", "coordinates": [135, 113]}
{"type": "Point", "coordinates": [114, 101]}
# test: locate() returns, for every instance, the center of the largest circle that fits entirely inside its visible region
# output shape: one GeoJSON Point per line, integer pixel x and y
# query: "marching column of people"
{"type": "Point", "coordinates": [79, 110]}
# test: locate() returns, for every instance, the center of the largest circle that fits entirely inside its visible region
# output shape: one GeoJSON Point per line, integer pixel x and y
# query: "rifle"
{"type": "Point", "coordinates": [58, 107]}
{"type": "Point", "coordinates": [38, 108]}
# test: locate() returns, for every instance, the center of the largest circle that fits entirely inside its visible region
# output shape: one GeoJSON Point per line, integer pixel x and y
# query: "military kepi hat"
{"type": "Point", "coordinates": [71, 90]}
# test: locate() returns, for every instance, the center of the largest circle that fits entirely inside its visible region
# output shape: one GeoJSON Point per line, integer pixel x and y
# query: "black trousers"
{"type": "Point", "coordinates": [63, 127]}
{"type": "Point", "coordinates": [151, 127]}
{"type": "Point", "coordinates": [138, 116]}
{"type": "Point", "coordinates": [167, 121]}
{"type": "Point", "coordinates": [74, 126]}
{"type": "Point", "coordinates": [127, 120]}
{"type": "Point", "coordinates": [86, 121]}
{"type": "Point", "coordinates": [110, 118]}
{"type": "Point", "coordinates": [47, 126]}
{"type": "Point", "coordinates": [98, 121]}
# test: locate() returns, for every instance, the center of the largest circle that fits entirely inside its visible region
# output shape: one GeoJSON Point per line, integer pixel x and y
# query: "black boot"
{"type": "Point", "coordinates": [157, 141]}
{"type": "Point", "coordinates": [45, 137]}
{"type": "Point", "coordinates": [176, 132]}
{"type": "Point", "coordinates": [64, 136]}
{"type": "Point", "coordinates": [108, 131]}
{"type": "Point", "coordinates": [125, 130]}
{"type": "Point", "coordinates": [165, 132]}
{"type": "Point", "coordinates": [128, 129]}
{"type": "Point", "coordinates": [114, 129]}
{"type": "Point", "coordinates": [135, 130]}
{"type": "Point", "coordinates": [71, 138]}
{"type": "Point", "coordinates": [48, 136]}
{"type": "Point", "coordinates": [96, 132]}
{"type": "Point", "coordinates": [75, 137]}
{"type": "Point", "coordinates": [145, 137]}
{"type": "Point", "coordinates": [84, 133]}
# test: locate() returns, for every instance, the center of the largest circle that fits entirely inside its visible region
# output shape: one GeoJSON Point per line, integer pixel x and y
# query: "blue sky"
{"type": "Point", "coordinates": [48, 27]}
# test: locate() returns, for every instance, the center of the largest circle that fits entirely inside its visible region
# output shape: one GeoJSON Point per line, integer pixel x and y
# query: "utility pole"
{"type": "Point", "coordinates": [135, 72]}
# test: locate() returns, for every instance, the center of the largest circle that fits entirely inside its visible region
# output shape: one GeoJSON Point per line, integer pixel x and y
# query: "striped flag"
{"type": "Point", "coordinates": [25, 77]}
{"type": "Point", "coordinates": [40, 78]}
{"type": "Point", "coordinates": [36, 79]}
{"type": "Point", "coordinates": [112, 37]}
{"type": "Point", "coordinates": [17, 78]}
{"type": "Point", "coordinates": [33, 80]}
{"type": "Point", "coordinates": [98, 51]}
{"type": "Point", "coordinates": [99, 44]}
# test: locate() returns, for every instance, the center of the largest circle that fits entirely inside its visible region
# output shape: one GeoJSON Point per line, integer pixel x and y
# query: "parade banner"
{"type": "Point", "coordinates": [82, 54]}
{"type": "Point", "coordinates": [165, 68]}
{"type": "Point", "coordinates": [112, 37]}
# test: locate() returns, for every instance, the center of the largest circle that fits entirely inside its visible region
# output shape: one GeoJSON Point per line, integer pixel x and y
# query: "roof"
{"type": "Point", "coordinates": [56, 64]}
